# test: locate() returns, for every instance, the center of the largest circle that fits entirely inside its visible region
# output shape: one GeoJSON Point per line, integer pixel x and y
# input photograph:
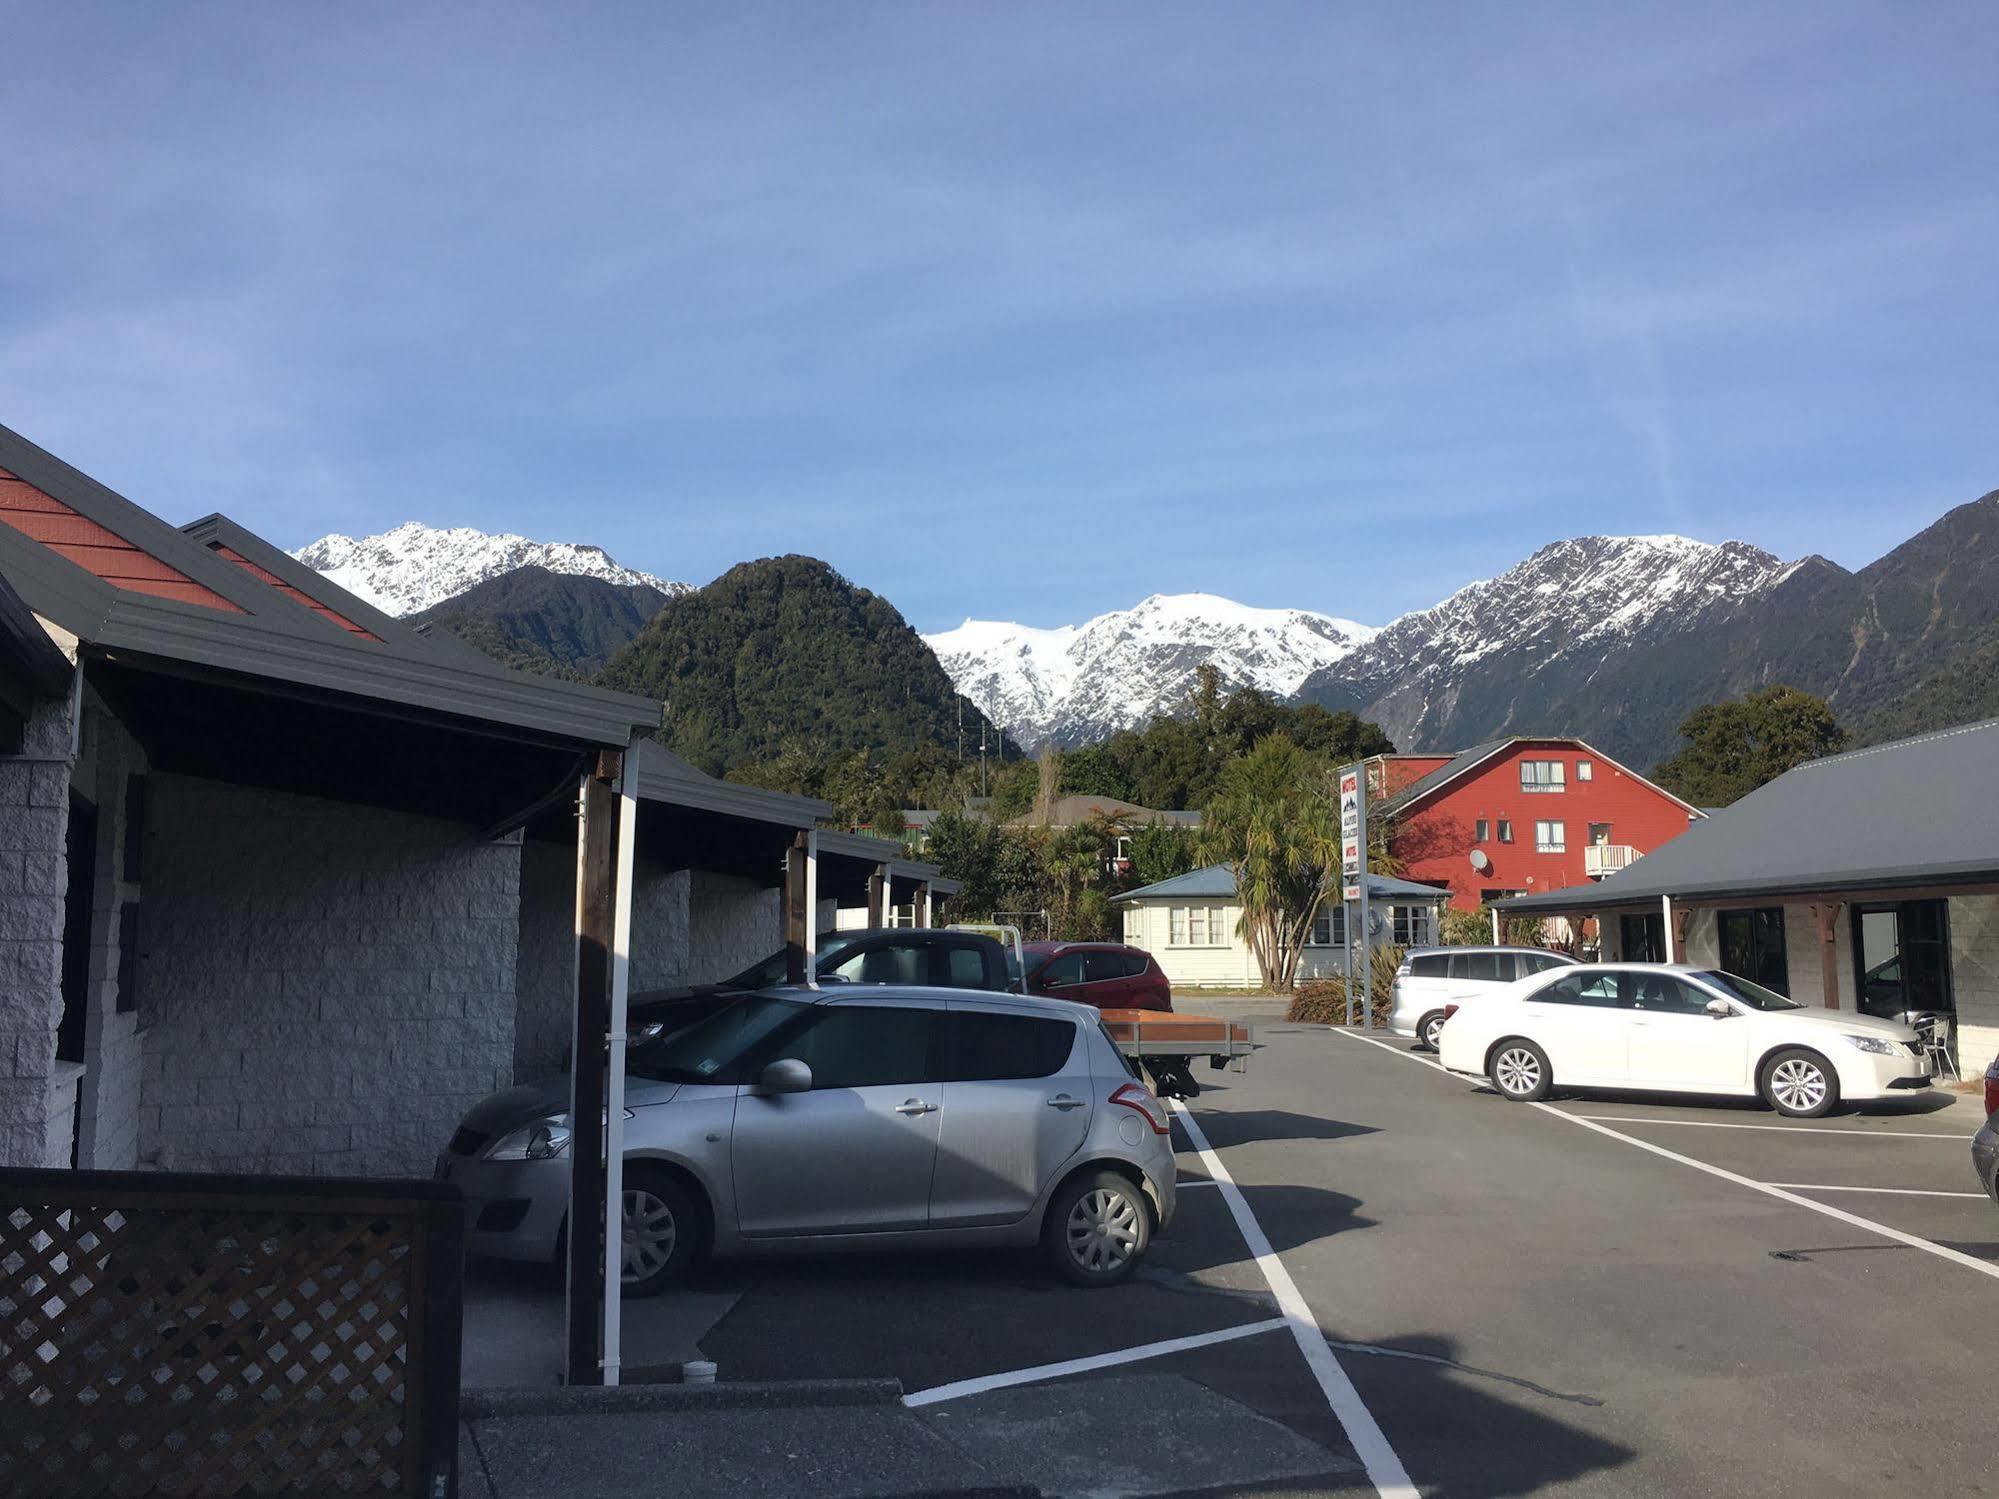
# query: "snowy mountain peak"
{"type": "Point", "coordinates": [1077, 683]}
{"type": "Point", "coordinates": [415, 566]}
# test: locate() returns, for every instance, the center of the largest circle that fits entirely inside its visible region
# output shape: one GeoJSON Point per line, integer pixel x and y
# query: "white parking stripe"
{"type": "Point", "coordinates": [1787, 1129]}
{"type": "Point", "coordinates": [959, 1389]}
{"type": "Point", "coordinates": [1384, 1468]}
{"type": "Point", "coordinates": [1892, 1191]}
{"type": "Point", "coordinates": [1202, 1182]}
{"type": "Point", "coordinates": [1941, 1251]}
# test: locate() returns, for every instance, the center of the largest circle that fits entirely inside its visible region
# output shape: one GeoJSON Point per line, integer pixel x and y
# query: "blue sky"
{"type": "Point", "coordinates": [1018, 311]}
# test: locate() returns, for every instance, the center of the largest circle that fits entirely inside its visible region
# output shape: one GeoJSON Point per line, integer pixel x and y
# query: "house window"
{"type": "Point", "coordinates": [1415, 926]}
{"type": "Point", "coordinates": [1134, 926]}
{"type": "Point", "coordinates": [1752, 944]}
{"type": "Point", "coordinates": [1599, 834]}
{"type": "Point", "coordinates": [1329, 927]}
{"type": "Point", "coordinates": [1550, 838]}
{"type": "Point", "coordinates": [1197, 926]}
{"type": "Point", "coordinates": [1505, 830]}
{"type": "Point", "coordinates": [1482, 832]}
{"type": "Point", "coordinates": [1585, 770]}
{"type": "Point", "coordinates": [1541, 775]}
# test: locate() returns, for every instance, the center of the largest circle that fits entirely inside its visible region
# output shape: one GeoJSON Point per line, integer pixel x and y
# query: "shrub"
{"type": "Point", "coordinates": [1324, 1001]}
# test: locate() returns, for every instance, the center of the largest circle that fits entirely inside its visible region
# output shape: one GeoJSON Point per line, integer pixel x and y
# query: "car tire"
{"type": "Point", "coordinates": [1098, 1227]}
{"type": "Point", "coordinates": [663, 1229]}
{"type": "Point", "coordinates": [1427, 1028]}
{"type": "Point", "coordinates": [1519, 1071]}
{"type": "Point", "coordinates": [1799, 1083]}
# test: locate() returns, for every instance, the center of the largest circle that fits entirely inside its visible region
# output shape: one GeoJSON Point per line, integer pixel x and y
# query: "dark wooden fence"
{"type": "Point", "coordinates": [241, 1335]}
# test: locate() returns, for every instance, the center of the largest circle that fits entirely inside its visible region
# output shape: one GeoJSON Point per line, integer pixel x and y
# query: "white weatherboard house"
{"type": "Point", "coordinates": [1190, 926]}
{"type": "Point", "coordinates": [1865, 881]}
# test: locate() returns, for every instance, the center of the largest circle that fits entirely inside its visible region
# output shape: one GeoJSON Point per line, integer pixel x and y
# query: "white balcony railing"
{"type": "Point", "coordinates": [1600, 859]}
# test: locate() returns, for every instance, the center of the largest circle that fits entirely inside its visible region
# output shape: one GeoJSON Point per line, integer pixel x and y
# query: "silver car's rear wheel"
{"type": "Point", "coordinates": [1429, 1028]}
{"type": "Point", "coordinates": [651, 1232]}
{"type": "Point", "coordinates": [1098, 1228]}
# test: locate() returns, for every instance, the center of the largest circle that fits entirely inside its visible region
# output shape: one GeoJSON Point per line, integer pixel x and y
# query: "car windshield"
{"type": "Point", "coordinates": [771, 971]}
{"type": "Point", "coordinates": [703, 1050]}
{"type": "Point", "coordinates": [1752, 994]}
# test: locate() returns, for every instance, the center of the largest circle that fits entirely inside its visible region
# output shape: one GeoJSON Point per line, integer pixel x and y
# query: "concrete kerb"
{"type": "Point", "coordinates": [597, 1400]}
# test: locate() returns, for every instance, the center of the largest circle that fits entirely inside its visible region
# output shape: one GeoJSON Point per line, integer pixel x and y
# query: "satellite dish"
{"type": "Point", "coordinates": [1479, 861]}
{"type": "Point", "coordinates": [1376, 922]}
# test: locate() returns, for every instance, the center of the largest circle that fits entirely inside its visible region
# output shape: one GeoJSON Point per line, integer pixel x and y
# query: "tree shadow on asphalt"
{"type": "Point", "coordinates": [1243, 1126]}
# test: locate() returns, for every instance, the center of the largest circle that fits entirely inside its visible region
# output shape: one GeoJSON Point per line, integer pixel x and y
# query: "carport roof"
{"type": "Point", "coordinates": [875, 851]}
{"type": "Point", "coordinates": [1217, 882]}
{"type": "Point", "coordinates": [1917, 812]}
{"type": "Point", "coordinates": [251, 627]}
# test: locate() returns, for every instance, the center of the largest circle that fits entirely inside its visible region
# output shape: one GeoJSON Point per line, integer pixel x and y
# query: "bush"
{"type": "Point", "coordinates": [1324, 1001]}
{"type": "Point", "coordinates": [1464, 928]}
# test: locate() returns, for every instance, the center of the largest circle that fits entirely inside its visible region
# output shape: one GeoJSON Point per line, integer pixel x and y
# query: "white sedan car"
{"type": "Point", "coordinates": [1672, 1028]}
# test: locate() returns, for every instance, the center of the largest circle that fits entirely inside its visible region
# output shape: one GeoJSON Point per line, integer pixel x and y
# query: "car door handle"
{"type": "Point", "coordinates": [915, 1106]}
{"type": "Point", "coordinates": [1064, 1102]}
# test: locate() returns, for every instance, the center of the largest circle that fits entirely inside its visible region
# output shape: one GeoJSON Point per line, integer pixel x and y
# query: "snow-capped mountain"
{"type": "Point", "coordinates": [415, 566]}
{"type": "Point", "coordinates": [1595, 634]}
{"type": "Point", "coordinates": [1078, 683]}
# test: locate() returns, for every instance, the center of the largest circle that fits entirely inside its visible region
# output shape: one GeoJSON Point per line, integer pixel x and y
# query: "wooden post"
{"type": "Point", "coordinates": [1495, 926]}
{"type": "Point", "coordinates": [1683, 919]}
{"type": "Point", "coordinates": [595, 892]}
{"type": "Point", "coordinates": [878, 895]}
{"type": "Point", "coordinates": [796, 916]}
{"type": "Point", "coordinates": [1827, 916]}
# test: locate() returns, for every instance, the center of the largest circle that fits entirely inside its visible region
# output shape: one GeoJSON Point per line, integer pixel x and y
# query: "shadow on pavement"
{"type": "Point", "coordinates": [1241, 1126]}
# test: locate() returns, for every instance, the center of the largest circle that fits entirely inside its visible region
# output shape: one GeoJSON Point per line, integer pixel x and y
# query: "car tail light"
{"type": "Point", "coordinates": [1449, 1011]}
{"type": "Point", "coordinates": [1992, 1088]}
{"type": "Point", "coordinates": [1131, 1096]}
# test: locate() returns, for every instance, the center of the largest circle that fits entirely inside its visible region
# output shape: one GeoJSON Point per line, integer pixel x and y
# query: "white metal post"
{"type": "Point", "coordinates": [1666, 908]}
{"type": "Point", "coordinates": [812, 908]}
{"type": "Point", "coordinates": [614, 1082]}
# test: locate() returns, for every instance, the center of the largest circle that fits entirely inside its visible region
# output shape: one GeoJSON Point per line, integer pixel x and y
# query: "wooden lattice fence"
{"type": "Point", "coordinates": [198, 1335]}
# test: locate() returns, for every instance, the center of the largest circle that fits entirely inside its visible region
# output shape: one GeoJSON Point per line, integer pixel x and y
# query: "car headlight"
{"type": "Point", "coordinates": [543, 1140]}
{"type": "Point", "coordinates": [1881, 1046]}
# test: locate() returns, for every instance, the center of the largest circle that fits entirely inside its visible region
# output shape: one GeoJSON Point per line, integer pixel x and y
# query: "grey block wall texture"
{"type": "Point", "coordinates": [731, 923]}
{"type": "Point", "coordinates": [108, 1122]}
{"type": "Point", "coordinates": [326, 988]}
{"type": "Point", "coordinates": [35, 1127]}
{"type": "Point", "coordinates": [1974, 961]}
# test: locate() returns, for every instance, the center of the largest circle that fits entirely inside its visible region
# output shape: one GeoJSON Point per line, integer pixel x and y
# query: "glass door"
{"type": "Point", "coordinates": [1901, 956]}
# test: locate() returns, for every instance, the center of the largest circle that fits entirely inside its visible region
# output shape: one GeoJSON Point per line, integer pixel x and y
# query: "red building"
{"type": "Point", "coordinates": [1519, 816]}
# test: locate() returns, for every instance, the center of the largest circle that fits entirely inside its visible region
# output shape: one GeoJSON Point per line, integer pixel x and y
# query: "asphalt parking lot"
{"type": "Point", "coordinates": [1416, 1286]}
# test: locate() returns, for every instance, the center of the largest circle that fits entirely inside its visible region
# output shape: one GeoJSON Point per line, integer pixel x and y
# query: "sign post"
{"type": "Point", "coordinates": [1353, 889]}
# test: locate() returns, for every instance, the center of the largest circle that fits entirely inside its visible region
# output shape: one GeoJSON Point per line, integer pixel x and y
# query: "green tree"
{"type": "Point", "coordinates": [1160, 850]}
{"type": "Point", "coordinates": [1735, 746]}
{"type": "Point", "coordinates": [1094, 771]}
{"type": "Point", "coordinates": [1273, 821]}
{"type": "Point", "coordinates": [1013, 789]}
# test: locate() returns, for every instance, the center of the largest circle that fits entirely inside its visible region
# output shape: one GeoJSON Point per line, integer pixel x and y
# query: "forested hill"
{"type": "Point", "coordinates": [784, 653]}
{"type": "Point", "coordinates": [559, 624]}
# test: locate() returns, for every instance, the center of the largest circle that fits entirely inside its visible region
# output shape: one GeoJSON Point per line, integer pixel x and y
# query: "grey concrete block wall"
{"type": "Point", "coordinates": [35, 1117]}
{"type": "Point", "coordinates": [325, 988]}
{"type": "Point", "coordinates": [108, 1121]}
{"type": "Point", "coordinates": [731, 922]}
{"type": "Point", "coordinates": [1974, 962]}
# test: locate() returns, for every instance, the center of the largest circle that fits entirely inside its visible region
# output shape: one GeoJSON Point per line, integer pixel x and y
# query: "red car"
{"type": "Point", "coordinates": [1108, 975]}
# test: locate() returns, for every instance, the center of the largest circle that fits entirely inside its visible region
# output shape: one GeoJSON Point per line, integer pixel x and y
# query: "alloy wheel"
{"type": "Point", "coordinates": [1102, 1231]}
{"type": "Point", "coordinates": [1518, 1070]}
{"type": "Point", "coordinates": [649, 1234]}
{"type": "Point", "coordinates": [1431, 1032]}
{"type": "Point", "coordinates": [1797, 1084]}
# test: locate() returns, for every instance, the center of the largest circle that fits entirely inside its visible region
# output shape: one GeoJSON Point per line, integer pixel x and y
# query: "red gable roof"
{"type": "Point", "coordinates": [297, 596]}
{"type": "Point", "coordinates": [99, 551]}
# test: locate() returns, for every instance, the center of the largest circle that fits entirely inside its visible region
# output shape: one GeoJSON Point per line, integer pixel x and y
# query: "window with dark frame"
{"type": "Point", "coordinates": [1505, 830]}
{"type": "Point", "coordinates": [1752, 945]}
{"type": "Point", "coordinates": [1483, 831]}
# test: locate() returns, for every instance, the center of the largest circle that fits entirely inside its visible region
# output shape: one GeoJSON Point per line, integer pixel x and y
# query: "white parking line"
{"type": "Point", "coordinates": [1787, 1129]}
{"type": "Point", "coordinates": [1941, 1251]}
{"type": "Point", "coordinates": [1200, 1182]}
{"type": "Point", "coordinates": [1384, 1468]}
{"type": "Point", "coordinates": [959, 1389]}
{"type": "Point", "coordinates": [1892, 1191]}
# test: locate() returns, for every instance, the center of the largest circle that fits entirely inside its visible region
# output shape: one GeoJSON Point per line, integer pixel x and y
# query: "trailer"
{"type": "Point", "coordinates": [1168, 1044]}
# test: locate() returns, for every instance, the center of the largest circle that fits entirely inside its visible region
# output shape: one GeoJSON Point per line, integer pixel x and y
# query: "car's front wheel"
{"type": "Point", "coordinates": [662, 1232]}
{"type": "Point", "coordinates": [1799, 1083]}
{"type": "Point", "coordinates": [1098, 1228]}
{"type": "Point", "coordinates": [1519, 1070]}
{"type": "Point", "coordinates": [1430, 1028]}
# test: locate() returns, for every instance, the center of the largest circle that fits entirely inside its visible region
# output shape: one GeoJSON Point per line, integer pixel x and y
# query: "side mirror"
{"type": "Point", "coordinates": [786, 1075]}
{"type": "Point", "coordinates": [1721, 1009]}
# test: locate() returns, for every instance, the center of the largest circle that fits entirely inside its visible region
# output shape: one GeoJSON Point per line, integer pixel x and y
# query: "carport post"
{"type": "Point", "coordinates": [1495, 925]}
{"type": "Point", "coordinates": [877, 895]}
{"type": "Point", "coordinates": [923, 904]}
{"type": "Point", "coordinates": [614, 1101]}
{"type": "Point", "coordinates": [582, 1359]}
{"type": "Point", "coordinates": [1666, 911]}
{"type": "Point", "coordinates": [812, 908]}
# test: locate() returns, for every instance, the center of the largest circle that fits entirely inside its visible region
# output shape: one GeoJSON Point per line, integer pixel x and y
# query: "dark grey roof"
{"type": "Point", "coordinates": [665, 777]}
{"type": "Point", "coordinates": [32, 669]}
{"type": "Point", "coordinates": [871, 850]}
{"type": "Point", "coordinates": [1217, 882]}
{"type": "Point", "coordinates": [274, 637]}
{"type": "Point", "coordinates": [1461, 762]}
{"type": "Point", "coordinates": [1916, 812]}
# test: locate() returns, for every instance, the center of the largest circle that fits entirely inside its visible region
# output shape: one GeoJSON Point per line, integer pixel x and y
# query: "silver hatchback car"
{"type": "Point", "coordinates": [808, 1120]}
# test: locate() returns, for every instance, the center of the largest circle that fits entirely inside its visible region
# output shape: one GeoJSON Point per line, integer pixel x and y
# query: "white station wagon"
{"type": "Point", "coordinates": [1672, 1028]}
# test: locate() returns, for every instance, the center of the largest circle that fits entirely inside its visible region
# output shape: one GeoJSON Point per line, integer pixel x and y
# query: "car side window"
{"type": "Point", "coordinates": [884, 965]}
{"type": "Point", "coordinates": [1429, 965]}
{"type": "Point", "coordinates": [1483, 967]}
{"type": "Point", "coordinates": [1134, 964]}
{"type": "Point", "coordinates": [964, 967]}
{"type": "Point", "coordinates": [863, 1046]}
{"type": "Point", "coordinates": [1067, 969]}
{"type": "Point", "coordinates": [1098, 966]}
{"type": "Point", "coordinates": [1661, 991]}
{"type": "Point", "coordinates": [1599, 989]}
{"type": "Point", "coordinates": [987, 1047]}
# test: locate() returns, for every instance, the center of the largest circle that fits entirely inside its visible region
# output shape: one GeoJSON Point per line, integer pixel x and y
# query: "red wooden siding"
{"type": "Point", "coordinates": [1436, 838]}
{"type": "Point", "coordinates": [102, 553]}
{"type": "Point", "coordinates": [306, 600]}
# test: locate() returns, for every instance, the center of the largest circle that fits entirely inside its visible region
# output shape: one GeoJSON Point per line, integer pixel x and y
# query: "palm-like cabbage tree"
{"type": "Point", "coordinates": [1273, 821]}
